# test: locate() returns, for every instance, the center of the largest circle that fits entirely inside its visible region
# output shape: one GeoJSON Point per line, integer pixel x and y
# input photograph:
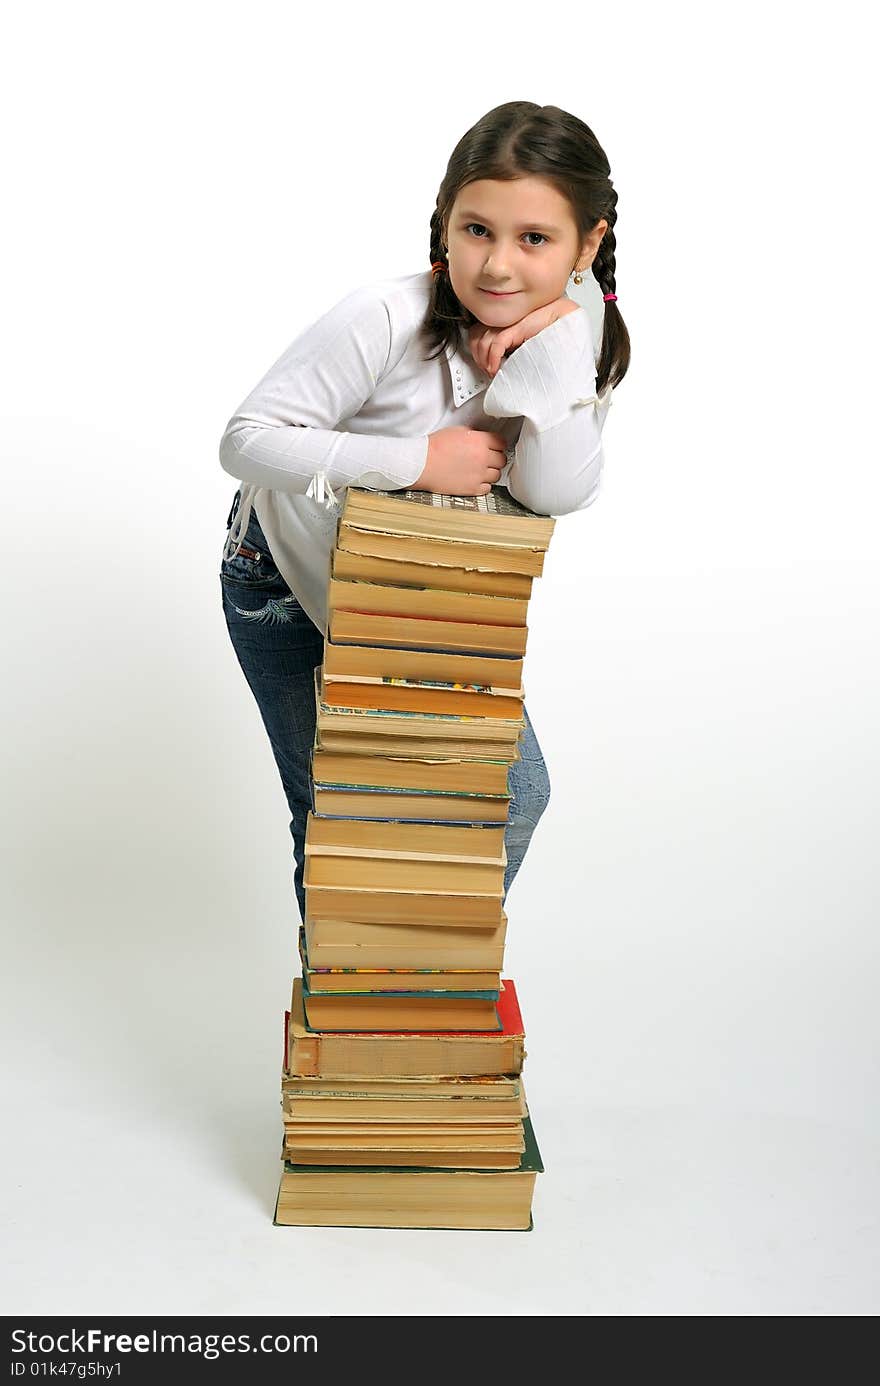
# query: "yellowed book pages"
{"type": "Point", "coordinates": [362, 567]}
{"type": "Point", "coordinates": [399, 695]}
{"type": "Point", "coordinates": [491, 1111]}
{"type": "Point", "coordinates": [351, 870]}
{"type": "Point", "coordinates": [397, 772]}
{"type": "Point", "coordinates": [450, 808]}
{"type": "Point", "coordinates": [400, 1136]}
{"type": "Point", "coordinates": [406, 907]}
{"type": "Point", "coordinates": [452, 554]}
{"type": "Point", "coordinates": [485, 1089]}
{"type": "Point", "coordinates": [381, 1139]}
{"type": "Point", "coordinates": [452, 843]}
{"type": "Point", "coordinates": [380, 1055]}
{"type": "Point", "coordinates": [399, 980]}
{"type": "Point", "coordinates": [365, 1198]}
{"type": "Point", "coordinates": [334, 1012]}
{"type": "Point", "coordinates": [427, 603]}
{"type": "Point", "coordinates": [495, 518]}
{"type": "Point", "coordinates": [373, 628]}
{"type": "Point", "coordinates": [448, 1159]}
{"type": "Point", "coordinates": [379, 661]}
{"type": "Point", "coordinates": [349, 943]}
{"type": "Point", "coordinates": [348, 742]}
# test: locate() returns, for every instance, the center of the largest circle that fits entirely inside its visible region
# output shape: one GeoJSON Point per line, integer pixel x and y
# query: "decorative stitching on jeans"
{"type": "Point", "coordinates": [276, 611]}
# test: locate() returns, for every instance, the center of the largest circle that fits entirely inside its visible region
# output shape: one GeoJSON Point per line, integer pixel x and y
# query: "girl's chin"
{"type": "Point", "coordinates": [489, 311]}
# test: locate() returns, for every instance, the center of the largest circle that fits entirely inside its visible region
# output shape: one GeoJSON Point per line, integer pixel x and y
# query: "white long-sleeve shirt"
{"type": "Point", "coordinates": [351, 402]}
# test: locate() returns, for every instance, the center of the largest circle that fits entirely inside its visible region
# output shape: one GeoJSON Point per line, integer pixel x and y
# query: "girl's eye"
{"type": "Point", "coordinates": [475, 224]}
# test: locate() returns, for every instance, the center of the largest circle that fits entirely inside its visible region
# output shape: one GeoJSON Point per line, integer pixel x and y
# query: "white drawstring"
{"type": "Point", "coordinates": [594, 399]}
{"type": "Point", "coordinates": [320, 491]}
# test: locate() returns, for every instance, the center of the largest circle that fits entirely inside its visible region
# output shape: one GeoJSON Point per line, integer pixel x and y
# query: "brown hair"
{"type": "Point", "coordinates": [517, 140]}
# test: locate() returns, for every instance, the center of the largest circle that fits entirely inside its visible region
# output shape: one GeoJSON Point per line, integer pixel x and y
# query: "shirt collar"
{"type": "Point", "coordinates": [467, 378]}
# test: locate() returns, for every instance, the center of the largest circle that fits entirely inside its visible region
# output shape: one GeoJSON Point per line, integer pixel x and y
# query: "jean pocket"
{"type": "Point", "coordinates": [250, 567]}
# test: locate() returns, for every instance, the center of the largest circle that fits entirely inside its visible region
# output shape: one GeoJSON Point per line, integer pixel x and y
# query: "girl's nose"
{"type": "Point", "coordinates": [496, 265]}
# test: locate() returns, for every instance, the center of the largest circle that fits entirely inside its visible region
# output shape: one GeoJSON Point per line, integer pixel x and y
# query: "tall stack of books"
{"type": "Point", "coordinates": [402, 1092]}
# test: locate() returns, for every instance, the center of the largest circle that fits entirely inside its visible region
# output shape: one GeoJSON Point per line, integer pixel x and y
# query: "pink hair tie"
{"type": "Point", "coordinates": [605, 297]}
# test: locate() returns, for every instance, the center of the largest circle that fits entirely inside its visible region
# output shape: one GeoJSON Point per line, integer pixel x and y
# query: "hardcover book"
{"type": "Point", "coordinates": [405, 1053]}
{"type": "Point", "coordinates": [423, 1012]}
{"type": "Point", "coordinates": [383, 1196]}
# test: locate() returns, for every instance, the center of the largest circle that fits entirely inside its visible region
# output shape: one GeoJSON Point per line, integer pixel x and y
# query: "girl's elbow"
{"type": "Point", "coordinates": [562, 496]}
{"type": "Point", "coordinates": [232, 449]}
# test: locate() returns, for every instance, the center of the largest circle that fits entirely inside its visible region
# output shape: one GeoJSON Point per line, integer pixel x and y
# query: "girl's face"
{"type": "Point", "coordinates": [517, 238]}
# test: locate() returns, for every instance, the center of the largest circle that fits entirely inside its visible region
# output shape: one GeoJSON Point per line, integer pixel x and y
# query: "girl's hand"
{"type": "Point", "coordinates": [463, 461]}
{"type": "Point", "coordinates": [489, 345]}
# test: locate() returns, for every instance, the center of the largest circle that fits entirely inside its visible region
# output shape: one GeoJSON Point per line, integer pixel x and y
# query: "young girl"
{"type": "Point", "coordinates": [510, 391]}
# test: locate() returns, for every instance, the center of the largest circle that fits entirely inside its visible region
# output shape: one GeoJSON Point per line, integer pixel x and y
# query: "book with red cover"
{"type": "Point", "coordinates": [408, 1052]}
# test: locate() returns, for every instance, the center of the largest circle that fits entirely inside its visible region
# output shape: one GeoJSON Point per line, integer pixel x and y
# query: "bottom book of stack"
{"type": "Point", "coordinates": [415, 1129]}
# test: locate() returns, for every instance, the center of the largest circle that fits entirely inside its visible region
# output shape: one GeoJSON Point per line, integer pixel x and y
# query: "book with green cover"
{"type": "Point", "coordinates": [412, 1196]}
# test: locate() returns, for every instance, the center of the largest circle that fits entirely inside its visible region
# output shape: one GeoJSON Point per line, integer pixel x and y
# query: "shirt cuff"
{"type": "Point", "coordinates": [548, 376]}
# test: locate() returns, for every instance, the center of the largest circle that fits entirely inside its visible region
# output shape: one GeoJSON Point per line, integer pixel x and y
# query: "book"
{"type": "Point", "coordinates": [395, 572]}
{"type": "Point", "coordinates": [348, 736]}
{"type": "Point", "coordinates": [420, 773]}
{"type": "Point", "coordinates": [499, 734]}
{"type": "Point", "coordinates": [495, 517]}
{"type": "Point", "coordinates": [419, 806]}
{"type": "Point", "coordinates": [368, 539]}
{"type": "Point", "coordinates": [343, 691]}
{"type": "Point", "coordinates": [386, 1196]}
{"type": "Point", "coordinates": [435, 858]}
{"type": "Point", "coordinates": [494, 1148]}
{"type": "Point", "coordinates": [370, 980]}
{"type": "Point", "coordinates": [435, 1159]}
{"type": "Point", "coordinates": [452, 843]}
{"type": "Point", "coordinates": [375, 872]}
{"type": "Point", "coordinates": [359, 904]}
{"type": "Point", "coordinates": [427, 603]}
{"type": "Point", "coordinates": [425, 1011]}
{"type": "Point", "coordinates": [389, 661]}
{"type": "Point", "coordinates": [349, 943]}
{"type": "Point", "coordinates": [405, 1053]}
{"type": "Point", "coordinates": [360, 627]}
{"type": "Point", "coordinates": [500, 1098]}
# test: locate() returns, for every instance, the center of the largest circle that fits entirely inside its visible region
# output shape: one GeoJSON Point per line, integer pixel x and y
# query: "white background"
{"type": "Point", "coordinates": [694, 932]}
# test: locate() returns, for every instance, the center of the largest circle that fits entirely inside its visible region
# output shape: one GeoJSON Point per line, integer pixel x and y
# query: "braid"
{"type": "Point", "coordinates": [604, 264]}
{"type": "Point", "coordinates": [615, 336]}
{"type": "Point", "coordinates": [444, 303]}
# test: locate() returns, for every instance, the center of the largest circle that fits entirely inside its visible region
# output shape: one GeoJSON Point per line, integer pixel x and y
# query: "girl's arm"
{"type": "Point", "coordinates": [550, 380]}
{"type": "Point", "coordinates": [283, 434]}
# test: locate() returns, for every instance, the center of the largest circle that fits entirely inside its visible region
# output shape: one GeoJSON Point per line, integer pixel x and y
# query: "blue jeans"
{"type": "Point", "coordinates": [278, 646]}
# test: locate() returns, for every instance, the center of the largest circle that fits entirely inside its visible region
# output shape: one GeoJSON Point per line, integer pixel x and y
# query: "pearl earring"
{"type": "Point", "coordinates": [577, 277]}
